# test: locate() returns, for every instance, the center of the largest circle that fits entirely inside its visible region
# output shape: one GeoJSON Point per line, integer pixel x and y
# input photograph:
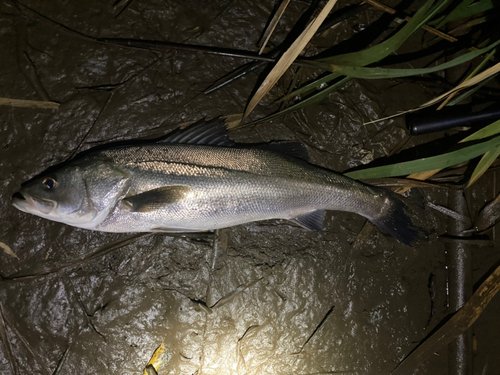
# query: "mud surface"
{"type": "Point", "coordinates": [263, 298]}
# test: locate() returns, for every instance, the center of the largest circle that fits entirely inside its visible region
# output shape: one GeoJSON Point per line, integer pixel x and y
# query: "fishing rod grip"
{"type": "Point", "coordinates": [450, 117]}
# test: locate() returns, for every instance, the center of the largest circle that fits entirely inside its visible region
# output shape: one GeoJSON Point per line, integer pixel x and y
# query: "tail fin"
{"type": "Point", "coordinates": [403, 219]}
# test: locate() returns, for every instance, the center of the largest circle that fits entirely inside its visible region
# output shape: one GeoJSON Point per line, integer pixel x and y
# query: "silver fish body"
{"type": "Point", "coordinates": [192, 187]}
{"type": "Point", "coordinates": [227, 187]}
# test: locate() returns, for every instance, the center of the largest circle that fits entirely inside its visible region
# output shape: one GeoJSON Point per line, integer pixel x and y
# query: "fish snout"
{"type": "Point", "coordinates": [19, 201]}
{"type": "Point", "coordinates": [26, 203]}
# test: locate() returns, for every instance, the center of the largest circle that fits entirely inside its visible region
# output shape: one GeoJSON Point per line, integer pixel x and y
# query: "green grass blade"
{"type": "Point", "coordinates": [485, 132]}
{"type": "Point", "coordinates": [384, 49]}
{"type": "Point", "coordinates": [304, 103]}
{"type": "Point", "coordinates": [361, 58]}
{"type": "Point", "coordinates": [482, 64]}
{"type": "Point", "coordinates": [288, 57]}
{"type": "Point", "coordinates": [470, 92]}
{"type": "Point", "coordinates": [310, 86]}
{"type": "Point", "coordinates": [427, 164]}
{"type": "Point", "coordinates": [378, 73]}
{"type": "Point", "coordinates": [466, 9]}
{"type": "Point", "coordinates": [484, 164]}
{"type": "Point", "coordinates": [438, 21]}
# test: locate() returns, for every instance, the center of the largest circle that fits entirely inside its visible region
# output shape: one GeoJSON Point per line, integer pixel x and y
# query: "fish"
{"type": "Point", "coordinates": [197, 179]}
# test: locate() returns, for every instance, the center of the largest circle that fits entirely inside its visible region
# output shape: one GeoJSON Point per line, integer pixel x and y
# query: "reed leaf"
{"type": "Point", "coordinates": [469, 92]}
{"type": "Point", "coordinates": [484, 164]}
{"type": "Point", "coordinates": [427, 164]}
{"type": "Point", "coordinates": [450, 101]}
{"type": "Point", "coordinates": [368, 56]}
{"type": "Point", "coordinates": [466, 9]}
{"type": "Point", "coordinates": [272, 25]}
{"type": "Point", "coordinates": [419, 177]}
{"type": "Point", "coordinates": [384, 49]}
{"type": "Point", "coordinates": [485, 132]}
{"type": "Point", "coordinates": [28, 103]}
{"type": "Point", "coordinates": [8, 250]}
{"type": "Point", "coordinates": [360, 58]}
{"type": "Point", "coordinates": [310, 86]}
{"type": "Point", "coordinates": [303, 103]}
{"type": "Point", "coordinates": [288, 57]}
{"type": "Point", "coordinates": [378, 73]}
{"type": "Point", "coordinates": [470, 82]}
{"type": "Point", "coordinates": [474, 72]}
{"type": "Point", "coordinates": [156, 359]}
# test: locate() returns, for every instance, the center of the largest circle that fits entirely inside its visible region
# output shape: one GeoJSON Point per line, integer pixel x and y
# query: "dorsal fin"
{"type": "Point", "coordinates": [214, 133]}
{"type": "Point", "coordinates": [210, 133]}
{"type": "Point", "coordinates": [295, 149]}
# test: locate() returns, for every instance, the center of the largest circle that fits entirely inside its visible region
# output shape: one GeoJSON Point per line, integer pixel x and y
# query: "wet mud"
{"type": "Point", "coordinates": [262, 298]}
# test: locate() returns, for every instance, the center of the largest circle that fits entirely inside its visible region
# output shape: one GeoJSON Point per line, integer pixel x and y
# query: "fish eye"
{"type": "Point", "coordinates": [49, 183]}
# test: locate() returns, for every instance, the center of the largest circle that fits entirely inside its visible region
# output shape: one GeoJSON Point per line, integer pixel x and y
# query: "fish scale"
{"type": "Point", "coordinates": [230, 187]}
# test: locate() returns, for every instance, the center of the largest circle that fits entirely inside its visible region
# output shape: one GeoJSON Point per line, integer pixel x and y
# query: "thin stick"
{"type": "Point", "coordinates": [459, 323]}
{"type": "Point", "coordinates": [430, 29]}
{"type": "Point", "coordinates": [161, 45]}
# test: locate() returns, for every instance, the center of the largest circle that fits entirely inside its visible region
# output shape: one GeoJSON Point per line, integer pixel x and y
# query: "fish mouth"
{"type": "Point", "coordinates": [33, 205]}
{"type": "Point", "coordinates": [19, 201]}
{"type": "Point", "coordinates": [18, 196]}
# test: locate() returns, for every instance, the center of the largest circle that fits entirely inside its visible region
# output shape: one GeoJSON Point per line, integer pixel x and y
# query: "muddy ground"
{"type": "Point", "coordinates": [262, 298]}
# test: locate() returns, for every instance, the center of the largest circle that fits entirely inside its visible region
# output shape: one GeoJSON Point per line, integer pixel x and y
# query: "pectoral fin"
{"type": "Point", "coordinates": [156, 199]}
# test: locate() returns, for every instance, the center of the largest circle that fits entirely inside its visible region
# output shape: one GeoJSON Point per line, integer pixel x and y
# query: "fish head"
{"type": "Point", "coordinates": [81, 193]}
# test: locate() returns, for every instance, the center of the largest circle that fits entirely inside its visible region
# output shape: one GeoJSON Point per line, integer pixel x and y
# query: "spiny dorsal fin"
{"type": "Point", "coordinates": [156, 199]}
{"type": "Point", "coordinates": [210, 133]}
{"type": "Point", "coordinates": [312, 220]}
{"type": "Point", "coordinates": [295, 149]}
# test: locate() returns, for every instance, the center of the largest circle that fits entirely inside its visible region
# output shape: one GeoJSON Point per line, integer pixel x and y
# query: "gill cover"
{"type": "Point", "coordinates": [81, 193]}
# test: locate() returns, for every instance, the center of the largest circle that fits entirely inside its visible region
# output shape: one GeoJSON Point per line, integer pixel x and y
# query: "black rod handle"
{"type": "Point", "coordinates": [447, 118]}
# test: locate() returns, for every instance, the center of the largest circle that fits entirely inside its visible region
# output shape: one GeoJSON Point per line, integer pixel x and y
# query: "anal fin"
{"type": "Point", "coordinates": [312, 220]}
{"type": "Point", "coordinates": [156, 199]}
